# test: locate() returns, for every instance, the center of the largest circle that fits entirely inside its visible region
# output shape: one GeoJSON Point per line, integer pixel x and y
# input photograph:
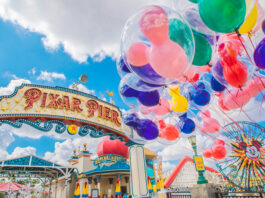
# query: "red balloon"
{"type": "Point", "coordinates": [107, 146]}
{"type": "Point", "coordinates": [219, 142]}
{"type": "Point", "coordinates": [235, 73]}
{"type": "Point", "coordinates": [168, 131]}
{"type": "Point", "coordinates": [207, 153]}
{"type": "Point", "coordinates": [219, 151]}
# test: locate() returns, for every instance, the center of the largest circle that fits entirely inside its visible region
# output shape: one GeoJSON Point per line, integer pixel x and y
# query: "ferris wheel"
{"type": "Point", "coordinates": [244, 165]}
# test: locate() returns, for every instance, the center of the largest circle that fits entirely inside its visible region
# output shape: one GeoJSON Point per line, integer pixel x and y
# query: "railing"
{"type": "Point", "coordinates": [178, 193]}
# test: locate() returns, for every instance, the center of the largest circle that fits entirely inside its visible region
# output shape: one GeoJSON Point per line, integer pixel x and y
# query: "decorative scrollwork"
{"type": "Point", "coordinates": [60, 127]}
{"type": "Point", "coordinates": [47, 126]}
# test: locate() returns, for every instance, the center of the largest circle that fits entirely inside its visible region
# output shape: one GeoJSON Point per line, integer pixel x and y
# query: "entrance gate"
{"type": "Point", "coordinates": [46, 108]}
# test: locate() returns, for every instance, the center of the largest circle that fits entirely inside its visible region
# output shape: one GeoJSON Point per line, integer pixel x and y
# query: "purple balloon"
{"type": "Point", "coordinates": [131, 120]}
{"type": "Point", "coordinates": [147, 129]}
{"type": "Point", "coordinates": [149, 99]}
{"type": "Point", "coordinates": [123, 66]}
{"type": "Point", "coordinates": [263, 26]}
{"type": "Point", "coordinates": [147, 72]}
{"type": "Point", "coordinates": [127, 91]}
{"type": "Point", "coordinates": [259, 55]}
{"type": "Point", "coordinates": [218, 73]}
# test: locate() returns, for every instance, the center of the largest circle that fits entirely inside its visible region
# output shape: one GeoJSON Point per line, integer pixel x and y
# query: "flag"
{"type": "Point", "coordinates": [77, 191]}
{"type": "Point", "coordinates": [85, 190]}
{"type": "Point", "coordinates": [110, 93]}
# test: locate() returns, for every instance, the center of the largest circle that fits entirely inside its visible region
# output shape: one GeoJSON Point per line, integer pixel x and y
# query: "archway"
{"type": "Point", "coordinates": [45, 108]}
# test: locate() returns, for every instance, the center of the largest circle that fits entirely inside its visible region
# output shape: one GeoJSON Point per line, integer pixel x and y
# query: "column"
{"type": "Point", "coordinates": [89, 186]}
{"type": "Point", "coordinates": [50, 187]}
{"type": "Point", "coordinates": [56, 188]}
{"type": "Point", "coordinates": [138, 170]}
{"type": "Point", "coordinates": [98, 180]}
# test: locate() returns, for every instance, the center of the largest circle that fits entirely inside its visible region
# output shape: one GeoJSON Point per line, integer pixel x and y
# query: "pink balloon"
{"type": "Point", "coordinates": [237, 98]}
{"type": "Point", "coordinates": [166, 57]}
{"type": "Point", "coordinates": [219, 142]}
{"type": "Point", "coordinates": [160, 109]}
{"type": "Point", "coordinates": [154, 24]}
{"type": "Point", "coordinates": [136, 54]}
{"type": "Point", "coordinates": [168, 60]}
{"type": "Point", "coordinates": [209, 124]}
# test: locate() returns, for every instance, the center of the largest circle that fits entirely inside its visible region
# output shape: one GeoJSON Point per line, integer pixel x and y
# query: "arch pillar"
{"type": "Point", "coordinates": [139, 185]}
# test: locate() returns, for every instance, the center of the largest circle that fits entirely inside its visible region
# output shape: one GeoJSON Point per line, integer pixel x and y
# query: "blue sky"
{"type": "Point", "coordinates": [22, 50]}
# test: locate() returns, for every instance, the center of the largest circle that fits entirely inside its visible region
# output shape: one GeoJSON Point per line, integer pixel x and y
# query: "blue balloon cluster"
{"type": "Point", "coordinates": [145, 128]}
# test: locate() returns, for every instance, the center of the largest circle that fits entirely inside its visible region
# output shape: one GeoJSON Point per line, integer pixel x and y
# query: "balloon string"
{"type": "Point", "coordinates": [239, 37]}
{"type": "Point", "coordinates": [242, 107]}
{"type": "Point", "coordinates": [254, 50]}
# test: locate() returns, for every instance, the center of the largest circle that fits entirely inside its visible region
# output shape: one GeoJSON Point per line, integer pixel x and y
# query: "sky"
{"type": "Point", "coordinates": [52, 43]}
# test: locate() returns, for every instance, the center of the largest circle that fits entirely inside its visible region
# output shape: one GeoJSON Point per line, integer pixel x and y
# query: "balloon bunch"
{"type": "Point", "coordinates": [218, 151]}
{"type": "Point", "coordinates": [176, 63]}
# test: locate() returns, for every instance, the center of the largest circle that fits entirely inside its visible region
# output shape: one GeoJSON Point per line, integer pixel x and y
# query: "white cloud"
{"type": "Point", "coordinates": [63, 151]}
{"type": "Point", "coordinates": [19, 152]}
{"type": "Point", "coordinates": [12, 85]}
{"type": "Point", "coordinates": [32, 71]}
{"type": "Point", "coordinates": [50, 76]}
{"type": "Point", "coordinates": [83, 88]}
{"type": "Point", "coordinates": [84, 28]}
{"type": "Point", "coordinates": [168, 167]}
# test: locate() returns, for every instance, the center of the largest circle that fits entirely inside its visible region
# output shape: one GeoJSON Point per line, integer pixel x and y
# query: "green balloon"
{"type": "Point", "coordinates": [180, 33]}
{"type": "Point", "coordinates": [222, 15]}
{"type": "Point", "coordinates": [203, 50]}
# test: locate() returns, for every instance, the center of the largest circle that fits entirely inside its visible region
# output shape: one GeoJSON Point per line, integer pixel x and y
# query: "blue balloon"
{"type": "Point", "coordinates": [127, 91]}
{"type": "Point", "coordinates": [186, 125]}
{"type": "Point", "coordinates": [201, 97]}
{"type": "Point", "coordinates": [149, 99]}
{"type": "Point", "coordinates": [216, 86]}
{"type": "Point", "coordinates": [147, 129]}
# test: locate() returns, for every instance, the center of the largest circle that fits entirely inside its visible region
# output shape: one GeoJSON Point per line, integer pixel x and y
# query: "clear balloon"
{"type": "Point", "coordinates": [232, 67]}
{"type": "Point", "coordinates": [134, 82]}
{"type": "Point", "coordinates": [122, 67]}
{"type": "Point", "coordinates": [151, 53]}
{"type": "Point", "coordinates": [200, 94]}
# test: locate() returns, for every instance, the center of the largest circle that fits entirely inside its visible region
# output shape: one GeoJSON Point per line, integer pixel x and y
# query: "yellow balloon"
{"type": "Point", "coordinates": [250, 22]}
{"type": "Point", "coordinates": [174, 91]}
{"type": "Point", "coordinates": [178, 102]}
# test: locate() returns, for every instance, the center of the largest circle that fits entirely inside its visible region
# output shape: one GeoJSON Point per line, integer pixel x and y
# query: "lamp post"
{"type": "Point", "coordinates": [201, 178]}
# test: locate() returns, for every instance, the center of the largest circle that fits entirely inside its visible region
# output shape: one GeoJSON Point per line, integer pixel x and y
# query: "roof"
{"type": "Point", "coordinates": [149, 154]}
{"type": "Point", "coordinates": [33, 165]}
{"type": "Point", "coordinates": [12, 186]}
{"type": "Point", "coordinates": [178, 168]}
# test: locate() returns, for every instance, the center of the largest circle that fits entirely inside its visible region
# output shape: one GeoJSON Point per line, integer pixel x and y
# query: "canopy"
{"type": "Point", "coordinates": [12, 186]}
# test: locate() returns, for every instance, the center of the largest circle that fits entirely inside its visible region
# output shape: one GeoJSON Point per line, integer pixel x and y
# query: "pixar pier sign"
{"type": "Point", "coordinates": [43, 102]}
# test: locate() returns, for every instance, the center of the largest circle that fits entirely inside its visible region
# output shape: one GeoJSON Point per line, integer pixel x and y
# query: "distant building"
{"type": "Point", "coordinates": [185, 175]}
{"type": "Point", "coordinates": [106, 176]}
